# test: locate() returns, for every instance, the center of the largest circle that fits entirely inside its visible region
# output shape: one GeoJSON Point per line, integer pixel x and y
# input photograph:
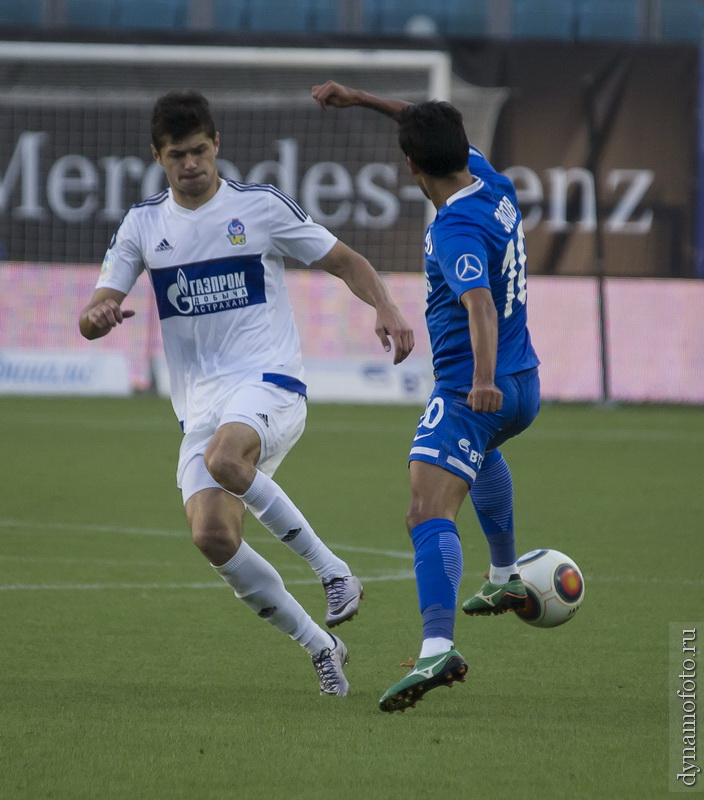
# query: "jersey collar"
{"type": "Point", "coordinates": [471, 189]}
{"type": "Point", "coordinates": [188, 212]}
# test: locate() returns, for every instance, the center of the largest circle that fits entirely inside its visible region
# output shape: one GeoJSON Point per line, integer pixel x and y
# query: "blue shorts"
{"type": "Point", "coordinates": [456, 438]}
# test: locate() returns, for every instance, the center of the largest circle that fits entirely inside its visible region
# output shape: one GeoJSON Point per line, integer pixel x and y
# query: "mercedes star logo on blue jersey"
{"type": "Point", "coordinates": [468, 267]}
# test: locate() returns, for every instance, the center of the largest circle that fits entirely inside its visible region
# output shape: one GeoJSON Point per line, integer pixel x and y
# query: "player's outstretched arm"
{"type": "Point", "coordinates": [363, 280]}
{"type": "Point", "coordinates": [337, 95]}
{"type": "Point", "coordinates": [484, 335]}
{"type": "Point", "coordinates": [103, 313]}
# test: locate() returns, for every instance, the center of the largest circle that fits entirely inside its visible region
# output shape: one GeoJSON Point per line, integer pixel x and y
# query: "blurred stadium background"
{"type": "Point", "coordinates": [591, 106]}
{"type": "Point", "coordinates": [626, 20]}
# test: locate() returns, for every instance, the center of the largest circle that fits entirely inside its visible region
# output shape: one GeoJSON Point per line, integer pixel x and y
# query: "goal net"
{"type": "Point", "coordinates": [74, 139]}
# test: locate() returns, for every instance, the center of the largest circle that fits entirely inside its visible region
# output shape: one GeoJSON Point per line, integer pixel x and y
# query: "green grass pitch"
{"type": "Point", "coordinates": [129, 671]}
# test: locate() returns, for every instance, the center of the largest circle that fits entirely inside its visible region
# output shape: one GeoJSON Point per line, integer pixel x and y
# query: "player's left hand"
{"type": "Point", "coordinates": [485, 397]}
{"type": "Point", "coordinates": [390, 323]}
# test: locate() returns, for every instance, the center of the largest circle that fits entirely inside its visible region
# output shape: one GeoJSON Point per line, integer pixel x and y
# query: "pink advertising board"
{"type": "Point", "coordinates": [655, 346]}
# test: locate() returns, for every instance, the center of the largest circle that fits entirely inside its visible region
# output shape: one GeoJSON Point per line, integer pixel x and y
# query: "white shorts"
{"type": "Point", "coordinates": [277, 415]}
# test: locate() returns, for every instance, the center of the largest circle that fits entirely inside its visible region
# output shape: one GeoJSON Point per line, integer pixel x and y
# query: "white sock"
{"type": "Point", "coordinates": [260, 587]}
{"type": "Point", "coordinates": [318, 642]}
{"type": "Point", "coordinates": [502, 574]}
{"type": "Point", "coordinates": [273, 508]}
{"type": "Point", "coordinates": [435, 646]}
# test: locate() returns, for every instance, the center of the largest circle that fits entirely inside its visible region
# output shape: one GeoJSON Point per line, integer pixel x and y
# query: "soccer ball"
{"type": "Point", "coordinates": [555, 588]}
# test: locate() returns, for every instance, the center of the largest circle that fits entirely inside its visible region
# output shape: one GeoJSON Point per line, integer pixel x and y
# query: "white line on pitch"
{"type": "Point", "coordinates": [105, 562]}
{"type": "Point", "coordinates": [83, 528]}
{"type": "Point", "coordinates": [401, 575]}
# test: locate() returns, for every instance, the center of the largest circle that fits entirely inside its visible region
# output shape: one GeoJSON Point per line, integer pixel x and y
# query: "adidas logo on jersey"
{"type": "Point", "coordinates": [264, 418]}
{"type": "Point", "coordinates": [163, 246]}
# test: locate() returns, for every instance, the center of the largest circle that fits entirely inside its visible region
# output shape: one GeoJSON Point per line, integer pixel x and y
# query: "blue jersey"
{"type": "Point", "coordinates": [476, 240]}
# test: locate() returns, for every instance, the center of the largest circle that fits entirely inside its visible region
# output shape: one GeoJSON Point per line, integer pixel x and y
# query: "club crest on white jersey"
{"type": "Point", "coordinates": [236, 233]}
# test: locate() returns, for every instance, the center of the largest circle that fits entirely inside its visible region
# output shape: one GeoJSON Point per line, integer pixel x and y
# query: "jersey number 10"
{"type": "Point", "coordinates": [515, 265]}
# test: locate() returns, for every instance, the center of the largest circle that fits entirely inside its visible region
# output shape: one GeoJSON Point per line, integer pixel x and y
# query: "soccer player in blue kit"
{"type": "Point", "coordinates": [214, 253]}
{"type": "Point", "coordinates": [487, 387]}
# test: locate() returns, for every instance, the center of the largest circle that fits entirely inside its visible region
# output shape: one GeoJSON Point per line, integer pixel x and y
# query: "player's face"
{"type": "Point", "coordinates": [190, 168]}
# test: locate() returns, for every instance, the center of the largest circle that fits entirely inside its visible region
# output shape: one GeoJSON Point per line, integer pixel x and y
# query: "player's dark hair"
{"type": "Point", "coordinates": [179, 114]}
{"type": "Point", "coordinates": [432, 135]}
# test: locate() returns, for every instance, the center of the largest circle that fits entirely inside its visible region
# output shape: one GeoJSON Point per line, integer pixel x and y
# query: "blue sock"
{"type": "Point", "coordinates": [492, 496]}
{"type": "Point", "coordinates": [438, 567]}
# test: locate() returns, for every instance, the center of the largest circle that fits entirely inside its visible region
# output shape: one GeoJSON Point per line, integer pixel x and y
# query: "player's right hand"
{"type": "Point", "coordinates": [334, 94]}
{"type": "Point", "coordinates": [106, 315]}
{"type": "Point", "coordinates": [485, 397]}
{"type": "Point", "coordinates": [391, 323]}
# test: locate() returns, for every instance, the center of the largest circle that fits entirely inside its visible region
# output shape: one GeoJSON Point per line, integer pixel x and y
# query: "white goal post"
{"type": "Point", "coordinates": [74, 139]}
{"type": "Point", "coordinates": [437, 63]}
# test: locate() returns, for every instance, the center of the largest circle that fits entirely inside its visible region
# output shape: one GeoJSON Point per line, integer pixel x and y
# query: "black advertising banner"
{"type": "Point", "coordinates": [75, 152]}
{"type": "Point", "coordinates": [601, 142]}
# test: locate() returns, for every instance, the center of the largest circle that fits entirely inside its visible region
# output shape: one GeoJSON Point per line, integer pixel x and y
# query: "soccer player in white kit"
{"type": "Point", "coordinates": [214, 252]}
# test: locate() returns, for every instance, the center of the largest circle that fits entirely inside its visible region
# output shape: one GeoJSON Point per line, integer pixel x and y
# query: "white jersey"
{"type": "Point", "coordinates": [218, 278]}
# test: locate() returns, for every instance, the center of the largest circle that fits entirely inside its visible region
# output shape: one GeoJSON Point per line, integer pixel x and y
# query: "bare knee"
{"type": "Point", "coordinates": [230, 470]}
{"type": "Point", "coordinates": [232, 455]}
{"type": "Point", "coordinates": [215, 541]}
{"type": "Point", "coordinates": [421, 509]}
{"type": "Point", "coordinates": [427, 506]}
{"type": "Point", "coordinates": [216, 524]}
{"type": "Point", "coordinates": [415, 515]}
{"type": "Point", "coordinates": [435, 494]}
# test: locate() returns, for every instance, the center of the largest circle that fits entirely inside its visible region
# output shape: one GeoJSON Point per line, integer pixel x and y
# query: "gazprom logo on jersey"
{"type": "Point", "coordinates": [209, 287]}
{"type": "Point", "coordinates": [468, 267]}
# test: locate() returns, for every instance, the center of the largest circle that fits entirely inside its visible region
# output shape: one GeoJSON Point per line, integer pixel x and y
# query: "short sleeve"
{"type": "Point", "coordinates": [293, 232]}
{"type": "Point", "coordinates": [123, 262]}
{"type": "Point", "coordinates": [462, 257]}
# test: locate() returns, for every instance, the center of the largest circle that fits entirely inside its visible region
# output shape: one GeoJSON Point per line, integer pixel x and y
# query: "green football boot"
{"type": "Point", "coordinates": [497, 598]}
{"type": "Point", "coordinates": [427, 674]}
